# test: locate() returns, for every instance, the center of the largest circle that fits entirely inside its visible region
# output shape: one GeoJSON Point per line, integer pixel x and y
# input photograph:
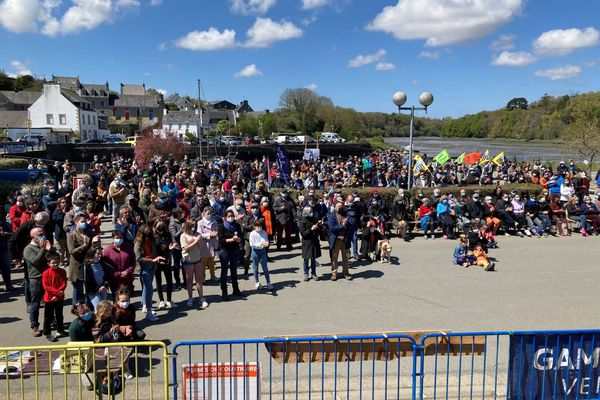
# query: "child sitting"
{"type": "Point", "coordinates": [488, 234]}
{"type": "Point", "coordinates": [462, 254]}
{"type": "Point", "coordinates": [482, 259]}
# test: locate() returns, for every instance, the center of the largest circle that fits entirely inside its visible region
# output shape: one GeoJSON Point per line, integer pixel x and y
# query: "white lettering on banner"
{"type": "Point", "coordinates": [212, 381]}
{"type": "Point", "coordinates": [583, 387]}
{"type": "Point", "coordinates": [544, 359]}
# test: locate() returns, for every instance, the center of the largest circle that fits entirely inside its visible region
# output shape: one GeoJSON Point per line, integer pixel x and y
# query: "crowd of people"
{"type": "Point", "coordinates": [173, 220]}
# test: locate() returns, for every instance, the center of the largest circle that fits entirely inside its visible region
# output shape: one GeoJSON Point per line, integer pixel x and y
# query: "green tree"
{"type": "Point", "coordinates": [223, 127]}
{"type": "Point", "coordinates": [583, 134]}
{"type": "Point", "coordinates": [303, 103]}
{"type": "Point", "coordinates": [6, 82]}
{"type": "Point", "coordinates": [248, 125]}
{"type": "Point", "coordinates": [517, 103]}
{"type": "Point", "coordinates": [267, 124]}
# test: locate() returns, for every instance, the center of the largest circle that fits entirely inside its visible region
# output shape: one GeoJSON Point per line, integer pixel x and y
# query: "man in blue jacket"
{"type": "Point", "coordinates": [339, 240]}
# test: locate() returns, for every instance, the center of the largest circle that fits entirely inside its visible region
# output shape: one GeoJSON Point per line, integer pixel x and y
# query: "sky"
{"type": "Point", "coordinates": [473, 55]}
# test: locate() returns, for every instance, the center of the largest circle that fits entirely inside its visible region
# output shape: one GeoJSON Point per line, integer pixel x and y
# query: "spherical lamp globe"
{"type": "Point", "coordinates": [399, 98]}
{"type": "Point", "coordinates": [426, 99]}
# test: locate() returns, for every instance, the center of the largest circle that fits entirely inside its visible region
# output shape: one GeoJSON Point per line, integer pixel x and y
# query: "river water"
{"type": "Point", "coordinates": [544, 150]}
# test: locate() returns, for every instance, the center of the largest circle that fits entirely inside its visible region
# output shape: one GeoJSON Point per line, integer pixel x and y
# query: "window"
{"type": "Point", "coordinates": [93, 103]}
{"type": "Point", "coordinates": [151, 113]}
{"type": "Point", "coordinates": [101, 103]}
{"type": "Point", "coordinates": [94, 119]}
{"type": "Point", "coordinates": [179, 126]}
{"type": "Point", "coordinates": [50, 119]}
{"type": "Point", "coordinates": [89, 119]}
{"type": "Point", "coordinates": [138, 112]}
{"type": "Point", "coordinates": [127, 114]}
{"type": "Point", "coordinates": [62, 119]}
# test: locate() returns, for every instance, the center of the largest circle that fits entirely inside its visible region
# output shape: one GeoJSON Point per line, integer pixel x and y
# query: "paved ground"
{"type": "Point", "coordinates": [545, 283]}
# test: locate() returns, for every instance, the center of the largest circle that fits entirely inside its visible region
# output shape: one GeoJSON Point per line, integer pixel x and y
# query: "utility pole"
{"type": "Point", "coordinates": [200, 119]}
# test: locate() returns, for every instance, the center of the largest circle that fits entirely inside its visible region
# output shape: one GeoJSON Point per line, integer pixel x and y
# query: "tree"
{"type": "Point", "coordinates": [150, 145]}
{"type": "Point", "coordinates": [584, 133]}
{"type": "Point", "coordinates": [248, 125]}
{"type": "Point", "coordinates": [266, 125]}
{"type": "Point", "coordinates": [6, 82]}
{"type": "Point", "coordinates": [223, 126]}
{"type": "Point", "coordinates": [303, 103]}
{"type": "Point", "coordinates": [517, 103]}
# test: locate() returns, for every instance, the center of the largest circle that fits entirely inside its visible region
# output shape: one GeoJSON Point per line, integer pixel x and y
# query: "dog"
{"type": "Point", "coordinates": [385, 250]}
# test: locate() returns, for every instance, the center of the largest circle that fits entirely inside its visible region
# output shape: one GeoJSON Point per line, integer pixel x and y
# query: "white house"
{"type": "Point", "coordinates": [182, 123]}
{"type": "Point", "coordinates": [65, 112]}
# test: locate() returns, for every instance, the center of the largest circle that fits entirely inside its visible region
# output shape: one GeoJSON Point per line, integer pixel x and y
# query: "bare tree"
{"type": "Point", "coordinates": [304, 103]}
{"type": "Point", "coordinates": [583, 133]}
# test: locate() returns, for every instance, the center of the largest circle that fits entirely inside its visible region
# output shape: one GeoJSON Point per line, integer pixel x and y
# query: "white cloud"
{"type": "Point", "coordinates": [504, 43]}
{"type": "Point", "coordinates": [209, 40]}
{"type": "Point", "coordinates": [414, 82]}
{"type": "Point", "coordinates": [560, 42]}
{"type": "Point", "coordinates": [430, 55]}
{"type": "Point", "coordinates": [246, 7]}
{"type": "Point", "coordinates": [19, 15]}
{"type": "Point", "coordinates": [156, 2]}
{"type": "Point", "coordinates": [554, 74]}
{"type": "Point", "coordinates": [514, 59]}
{"type": "Point", "coordinates": [362, 60]}
{"type": "Point", "coordinates": [146, 73]}
{"type": "Point", "coordinates": [312, 4]}
{"type": "Point", "coordinates": [265, 32]}
{"type": "Point", "coordinates": [162, 46]}
{"type": "Point", "coordinates": [162, 91]}
{"type": "Point", "coordinates": [249, 71]}
{"type": "Point", "coordinates": [385, 66]}
{"type": "Point", "coordinates": [444, 22]}
{"type": "Point", "coordinates": [312, 86]}
{"type": "Point", "coordinates": [19, 68]}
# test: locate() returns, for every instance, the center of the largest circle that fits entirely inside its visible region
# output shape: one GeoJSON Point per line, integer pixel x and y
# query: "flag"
{"type": "Point", "coordinates": [268, 173]}
{"type": "Point", "coordinates": [442, 157]}
{"type": "Point", "coordinates": [460, 159]}
{"type": "Point", "coordinates": [485, 158]}
{"type": "Point", "coordinates": [283, 163]}
{"type": "Point", "coordinates": [471, 158]}
{"type": "Point", "coordinates": [419, 164]}
{"type": "Point", "coordinates": [499, 159]}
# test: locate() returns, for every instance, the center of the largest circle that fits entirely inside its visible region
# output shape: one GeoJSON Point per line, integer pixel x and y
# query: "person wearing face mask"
{"type": "Point", "coordinates": [285, 213]}
{"type": "Point", "coordinates": [559, 217]}
{"type": "Point", "coordinates": [68, 222]}
{"type": "Point", "coordinates": [445, 215]}
{"type": "Point", "coordinates": [399, 214]}
{"type": "Point", "coordinates": [253, 216]}
{"type": "Point", "coordinates": [78, 244]}
{"type": "Point", "coordinates": [474, 209]}
{"type": "Point", "coordinates": [590, 210]}
{"type": "Point", "coordinates": [172, 192]}
{"type": "Point", "coordinates": [50, 199]}
{"type": "Point", "coordinates": [164, 245]}
{"type": "Point", "coordinates": [127, 224]}
{"type": "Point", "coordinates": [208, 230]}
{"type": "Point", "coordinates": [16, 211]}
{"type": "Point", "coordinates": [83, 189]}
{"type": "Point", "coordinates": [34, 256]}
{"type": "Point", "coordinates": [311, 229]}
{"type": "Point", "coordinates": [518, 214]}
{"type": "Point", "coordinates": [147, 257]}
{"type": "Point", "coordinates": [160, 209]}
{"type": "Point", "coordinates": [491, 215]}
{"type": "Point", "coordinates": [33, 207]}
{"type": "Point", "coordinates": [566, 191]}
{"type": "Point", "coordinates": [504, 210]}
{"type": "Point", "coordinates": [176, 229]}
{"type": "Point", "coordinates": [124, 316]}
{"type": "Point", "coordinates": [95, 278]}
{"type": "Point", "coordinates": [220, 206]}
{"type": "Point", "coordinates": [532, 208]}
{"type": "Point", "coordinates": [265, 210]}
{"type": "Point", "coordinates": [230, 237]}
{"type": "Point", "coordinates": [117, 191]}
{"type": "Point", "coordinates": [80, 329]}
{"type": "Point", "coordinates": [121, 258]}
{"type": "Point", "coordinates": [545, 215]}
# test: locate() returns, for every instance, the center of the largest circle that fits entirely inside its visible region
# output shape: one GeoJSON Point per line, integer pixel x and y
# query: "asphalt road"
{"type": "Point", "coordinates": [545, 283]}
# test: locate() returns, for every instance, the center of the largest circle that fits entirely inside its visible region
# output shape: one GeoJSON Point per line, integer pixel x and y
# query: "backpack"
{"type": "Point", "coordinates": [109, 383]}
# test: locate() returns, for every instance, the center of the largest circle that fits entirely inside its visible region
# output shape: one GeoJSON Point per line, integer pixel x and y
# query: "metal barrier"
{"type": "Point", "coordinates": [503, 364]}
{"type": "Point", "coordinates": [375, 366]}
{"type": "Point", "coordinates": [71, 370]}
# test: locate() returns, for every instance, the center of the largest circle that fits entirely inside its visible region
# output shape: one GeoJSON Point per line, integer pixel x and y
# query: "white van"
{"type": "Point", "coordinates": [282, 139]}
{"type": "Point", "coordinates": [301, 139]}
{"type": "Point", "coordinates": [331, 137]}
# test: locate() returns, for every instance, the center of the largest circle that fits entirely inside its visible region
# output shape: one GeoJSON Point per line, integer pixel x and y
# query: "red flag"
{"type": "Point", "coordinates": [472, 158]}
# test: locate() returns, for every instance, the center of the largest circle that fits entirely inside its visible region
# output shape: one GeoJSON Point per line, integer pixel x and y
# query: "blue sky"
{"type": "Point", "coordinates": [471, 54]}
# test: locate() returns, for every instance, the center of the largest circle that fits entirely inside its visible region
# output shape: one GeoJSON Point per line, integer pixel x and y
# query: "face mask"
{"type": "Point", "coordinates": [221, 199]}
{"type": "Point", "coordinates": [266, 204]}
{"type": "Point", "coordinates": [118, 242]}
{"type": "Point", "coordinates": [41, 239]}
{"type": "Point", "coordinates": [77, 208]}
{"type": "Point", "coordinates": [124, 304]}
{"type": "Point", "coordinates": [230, 219]}
{"type": "Point", "coordinates": [52, 191]}
{"type": "Point", "coordinates": [542, 200]}
{"type": "Point", "coordinates": [208, 218]}
{"type": "Point", "coordinates": [82, 225]}
{"type": "Point", "coordinates": [87, 316]}
{"type": "Point", "coordinates": [463, 195]}
{"type": "Point", "coordinates": [517, 198]}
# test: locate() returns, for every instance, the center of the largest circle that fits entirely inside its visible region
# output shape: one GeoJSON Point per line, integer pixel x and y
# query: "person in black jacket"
{"type": "Point", "coordinates": [230, 239]}
{"type": "Point", "coordinates": [285, 213]}
{"type": "Point", "coordinates": [95, 278]}
{"type": "Point", "coordinates": [399, 214]}
{"type": "Point", "coordinates": [310, 230]}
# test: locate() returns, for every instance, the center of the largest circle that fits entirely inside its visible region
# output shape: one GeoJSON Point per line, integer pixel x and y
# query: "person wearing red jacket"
{"type": "Point", "coordinates": [54, 282]}
{"type": "Point", "coordinates": [16, 212]}
{"type": "Point", "coordinates": [121, 258]}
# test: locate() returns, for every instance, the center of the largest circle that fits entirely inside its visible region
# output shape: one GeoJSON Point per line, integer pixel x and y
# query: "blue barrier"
{"type": "Point", "coordinates": [498, 364]}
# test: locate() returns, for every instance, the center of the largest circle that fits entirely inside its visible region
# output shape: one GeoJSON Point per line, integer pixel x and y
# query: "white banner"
{"type": "Point", "coordinates": [311, 154]}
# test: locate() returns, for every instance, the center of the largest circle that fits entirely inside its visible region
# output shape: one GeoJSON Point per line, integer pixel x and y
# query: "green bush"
{"type": "Point", "coordinates": [8, 163]}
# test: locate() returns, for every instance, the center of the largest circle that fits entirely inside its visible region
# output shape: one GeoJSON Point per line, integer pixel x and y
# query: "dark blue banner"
{"type": "Point", "coordinates": [283, 163]}
{"type": "Point", "coordinates": [555, 366]}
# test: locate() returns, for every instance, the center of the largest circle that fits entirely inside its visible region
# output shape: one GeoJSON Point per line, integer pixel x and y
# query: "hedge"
{"type": "Point", "coordinates": [8, 163]}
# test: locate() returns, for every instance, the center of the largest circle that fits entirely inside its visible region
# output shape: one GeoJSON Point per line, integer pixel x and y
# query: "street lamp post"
{"type": "Point", "coordinates": [399, 99]}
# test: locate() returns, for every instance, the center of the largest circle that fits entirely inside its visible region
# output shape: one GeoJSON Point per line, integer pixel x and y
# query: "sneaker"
{"type": "Point", "coordinates": [445, 237]}
{"type": "Point", "coordinates": [315, 277]}
{"type": "Point", "coordinates": [334, 277]}
{"type": "Point", "coordinates": [170, 305]}
{"type": "Point", "coordinates": [506, 234]}
{"type": "Point", "coordinates": [151, 317]}
{"type": "Point", "coordinates": [306, 278]}
{"type": "Point", "coordinates": [35, 332]}
{"type": "Point", "coordinates": [161, 305]}
{"type": "Point", "coordinates": [51, 338]}
{"type": "Point", "coordinates": [528, 232]}
{"type": "Point", "coordinates": [61, 334]}
{"type": "Point", "coordinates": [203, 304]}
{"type": "Point", "coordinates": [144, 309]}
{"type": "Point", "coordinates": [520, 234]}
{"type": "Point", "coordinates": [270, 287]}
{"type": "Point", "coordinates": [257, 285]}
{"type": "Point", "coordinates": [489, 267]}
{"type": "Point", "coordinates": [190, 302]}
{"type": "Point", "coordinates": [348, 277]}
{"type": "Point", "coordinates": [426, 237]}
{"type": "Point", "coordinates": [128, 376]}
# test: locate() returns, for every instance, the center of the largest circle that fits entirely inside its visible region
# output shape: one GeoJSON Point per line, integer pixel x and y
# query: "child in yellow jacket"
{"type": "Point", "coordinates": [482, 259]}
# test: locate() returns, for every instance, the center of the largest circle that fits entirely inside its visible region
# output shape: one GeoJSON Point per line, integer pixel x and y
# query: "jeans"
{"type": "Point", "coordinates": [229, 261]}
{"type": "Point", "coordinates": [353, 232]}
{"type": "Point", "coordinates": [78, 292]}
{"type": "Point", "coordinates": [36, 291]}
{"type": "Point", "coordinates": [166, 270]}
{"type": "Point", "coordinates": [313, 266]}
{"type": "Point", "coordinates": [257, 256]}
{"type": "Point", "coordinates": [96, 298]}
{"type": "Point", "coordinates": [147, 276]}
{"type": "Point", "coordinates": [5, 270]}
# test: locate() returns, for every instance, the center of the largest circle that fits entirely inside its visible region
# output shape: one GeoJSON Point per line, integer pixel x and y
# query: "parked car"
{"type": "Point", "coordinates": [114, 139]}
{"type": "Point", "coordinates": [231, 140]}
{"type": "Point", "coordinates": [282, 139]}
{"type": "Point", "coordinates": [251, 140]}
{"type": "Point", "coordinates": [93, 141]}
{"type": "Point", "coordinates": [131, 140]}
{"type": "Point", "coordinates": [34, 138]}
{"type": "Point", "coordinates": [331, 137]}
